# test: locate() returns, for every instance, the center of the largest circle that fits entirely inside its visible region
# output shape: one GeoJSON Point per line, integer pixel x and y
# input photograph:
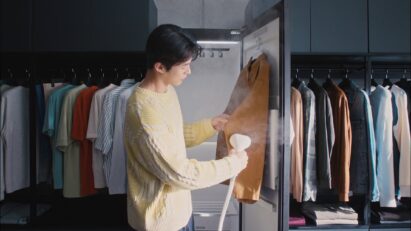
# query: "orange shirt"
{"type": "Point", "coordinates": [81, 113]}
{"type": "Point", "coordinates": [341, 153]}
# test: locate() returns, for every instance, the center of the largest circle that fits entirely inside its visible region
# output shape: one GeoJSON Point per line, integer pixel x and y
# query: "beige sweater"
{"type": "Point", "coordinates": [160, 176]}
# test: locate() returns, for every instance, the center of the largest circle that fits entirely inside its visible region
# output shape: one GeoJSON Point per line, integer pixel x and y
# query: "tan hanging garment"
{"type": "Point", "coordinates": [248, 107]}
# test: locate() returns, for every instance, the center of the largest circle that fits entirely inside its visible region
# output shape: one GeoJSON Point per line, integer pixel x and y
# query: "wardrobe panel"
{"type": "Point", "coordinates": [339, 26]}
{"type": "Point", "coordinates": [300, 25]}
{"type": "Point", "coordinates": [389, 26]}
{"type": "Point", "coordinates": [15, 20]}
{"type": "Point", "coordinates": [91, 25]}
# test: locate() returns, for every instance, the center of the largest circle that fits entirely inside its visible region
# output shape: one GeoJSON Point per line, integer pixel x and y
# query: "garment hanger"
{"type": "Point", "coordinates": [373, 82]}
{"type": "Point", "coordinates": [141, 75]}
{"type": "Point", "coordinates": [128, 75]}
{"type": "Point", "coordinates": [296, 82]}
{"type": "Point", "coordinates": [26, 82]}
{"type": "Point", "coordinates": [89, 81]}
{"type": "Point", "coordinates": [328, 79]}
{"type": "Point", "coordinates": [312, 75]}
{"type": "Point", "coordinates": [387, 81]}
{"type": "Point", "coordinates": [74, 79]}
{"type": "Point", "coordinates": [403, 79]}
{"type": "Point", "coordinates": [10, 78]}
{"type": "Point", "coordinates": [102, 81]}
{"type": "Point", "coordinates": [117, 79]}
{"type": "Point", "coordinates": [346, 80]}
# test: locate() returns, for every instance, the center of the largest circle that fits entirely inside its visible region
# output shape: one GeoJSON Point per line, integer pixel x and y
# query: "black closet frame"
{"type": "Point", "coordinates": [339, 63]}
{"type": "Point", "coordinates": [279, 11]}
{"type": "Point", "coordinates": [36, 63]}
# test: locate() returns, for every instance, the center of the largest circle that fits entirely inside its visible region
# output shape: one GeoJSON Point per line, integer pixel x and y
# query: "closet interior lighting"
{"type": "Point", "coordinates": [216, 42]}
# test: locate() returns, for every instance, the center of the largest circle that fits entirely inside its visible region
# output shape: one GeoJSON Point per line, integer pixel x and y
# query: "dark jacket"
{"type": "Point", "coordinates": [359, 165]}
{"type": "Point", "coordinates": [324, 136]}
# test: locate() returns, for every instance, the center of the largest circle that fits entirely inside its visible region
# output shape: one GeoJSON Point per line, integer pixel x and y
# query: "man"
{"type": "Point", "coordinates": [160, 176]}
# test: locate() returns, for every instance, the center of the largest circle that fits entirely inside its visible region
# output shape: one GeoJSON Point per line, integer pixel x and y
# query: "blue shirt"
{"type": "Point", "coordinates": [375, 193]}
{"type": "Point", "coordinates": [51, 121]}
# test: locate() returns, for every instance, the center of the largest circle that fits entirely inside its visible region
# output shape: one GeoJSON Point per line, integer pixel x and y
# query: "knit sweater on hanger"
{"type": "Point", "coordinates": [160, 176]}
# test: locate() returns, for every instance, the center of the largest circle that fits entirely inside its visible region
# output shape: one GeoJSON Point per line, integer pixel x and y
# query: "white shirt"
{"type": "Point", "coordinates": [15, 138]}
{"type": "Point", "coordinates": [402, 136]}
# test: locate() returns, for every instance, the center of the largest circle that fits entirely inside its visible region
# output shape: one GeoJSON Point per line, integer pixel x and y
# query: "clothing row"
{"type": "Point", "coordinates": [85, 125]}
{"type": "Point", "coordinates": [327, 119]}
{"type": "Point", "coordinates": [14, 139]}
{"type": "Point", "coordinates": [79, 128]}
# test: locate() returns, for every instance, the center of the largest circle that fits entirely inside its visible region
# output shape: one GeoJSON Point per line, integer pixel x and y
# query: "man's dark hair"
{"type": "Point", "coordinates": [170, 45]}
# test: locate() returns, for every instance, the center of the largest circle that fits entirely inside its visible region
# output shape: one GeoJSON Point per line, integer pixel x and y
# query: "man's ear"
{"type": "Point", "coordinates": [159, 67]}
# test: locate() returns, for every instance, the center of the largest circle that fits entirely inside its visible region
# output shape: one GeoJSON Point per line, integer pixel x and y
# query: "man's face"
{"type": "Point", "coordinates": [179, 72]}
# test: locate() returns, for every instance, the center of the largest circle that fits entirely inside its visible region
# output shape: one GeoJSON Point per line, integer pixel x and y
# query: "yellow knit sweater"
{"type": "Point", "coordinates": [160, 176]}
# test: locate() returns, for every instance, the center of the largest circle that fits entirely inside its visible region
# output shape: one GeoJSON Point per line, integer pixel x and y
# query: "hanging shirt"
{"type": "Point", "coordinates": [381, 105]}
{"type": "Point", "coordinates": [3, 88]}
{"type": "Point", "coordinates": [104, 140]}
{"type": "Point", "coordinates": [117, 164]}
{"type": "Point", "coordinates": [374, 191]}
{"type": "Point", "coordinates": [341, 155]}
{"type": "Point", "coordinates": [403, 140]}
{"type": "Point", "coordinates": [78, 133]}
{"type": "Point", "coordinates": [49, 88]}
{"type": "Point", "coordinates": [14, 138]}
{"type": "Point", "coordinates": [359, 165]}
{"type": "Point", "coordinates": [51, 127]}
{"type": "Point", "coordinates": [310, 171]}
{"type": "Point", "coordinates": [95, 111]}
{"type": "Point", "coordinates": [325, 136]}
{"type": "Point", "coordinates": [43, 148]}
{"type": "Point", "coordinates": [248, 110]}
{"type": "Point", "coordinates": [296, 112]}
{"type": "Point", "coordinates": [70, 149]}
{"type": "Point", "coordinates": [406, 86]}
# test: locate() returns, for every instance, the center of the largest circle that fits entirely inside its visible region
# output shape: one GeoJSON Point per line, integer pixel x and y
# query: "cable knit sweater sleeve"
{"type": "Point", "coordinates": [182, 172]}
{"type": "Point", "coordinates": [198, 132]}
{"type": "Point", "coordinates": [155, 137]}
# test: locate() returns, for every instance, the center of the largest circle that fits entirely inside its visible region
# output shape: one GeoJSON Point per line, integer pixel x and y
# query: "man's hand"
{"type": "Point", "coordinates": [242, 157]}
{"type": "Point", "coordinates": [219, 122]}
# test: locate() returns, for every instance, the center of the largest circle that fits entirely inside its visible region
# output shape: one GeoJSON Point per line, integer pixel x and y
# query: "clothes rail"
{"type": "Point", "coordinates": [29, 69]}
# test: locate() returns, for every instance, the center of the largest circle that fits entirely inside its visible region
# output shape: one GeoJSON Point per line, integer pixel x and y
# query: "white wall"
{"type": "Point", "coordinates": [210, 14]}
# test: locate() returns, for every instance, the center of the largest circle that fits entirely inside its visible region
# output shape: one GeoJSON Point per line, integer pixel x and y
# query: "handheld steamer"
{"type": "Point", "coordinates": [239, 143]}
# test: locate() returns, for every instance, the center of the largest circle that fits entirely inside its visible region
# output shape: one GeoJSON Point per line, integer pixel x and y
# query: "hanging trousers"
{"type": "Point", "coordinates": [248, 110]}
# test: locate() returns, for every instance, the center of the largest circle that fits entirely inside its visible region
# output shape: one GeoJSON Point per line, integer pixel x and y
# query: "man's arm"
{"type": "Point", "coordinates": [198, 132]}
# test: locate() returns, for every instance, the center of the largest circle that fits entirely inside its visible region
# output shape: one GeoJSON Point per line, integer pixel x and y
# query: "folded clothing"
{"type": "Point", "coordinates": [336, 221]}
{"type": "Point", "coordinates": [329, 211]}
{"type": "Point", "coordinates": [328, 214]}
{"type": "Point", "coordinates": [387, 215]}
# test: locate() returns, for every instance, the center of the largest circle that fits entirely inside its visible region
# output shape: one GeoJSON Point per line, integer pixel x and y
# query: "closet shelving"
{"type": "Point", "coordinates": [360, 68]}
{"type": "Point", "coordinates": [33, 68]}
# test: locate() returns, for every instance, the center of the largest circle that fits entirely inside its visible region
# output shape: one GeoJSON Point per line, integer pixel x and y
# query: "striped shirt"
{"type": "Point", "coordinates": [105, 128]}
{"type": "Point", "coordinates": [116, 159]}
{"type": "Point", "coordinates": [95, 112]}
